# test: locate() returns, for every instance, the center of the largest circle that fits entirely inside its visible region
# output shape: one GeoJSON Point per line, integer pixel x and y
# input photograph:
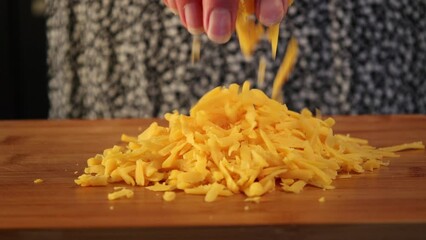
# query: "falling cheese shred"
{"type": "Point", "coordinates": [285, 69]}
{"type": "Point", "coordinates": [235, 140]}
{"type": "Point", "coordinates": [248, 30]}
{"type": "Point", "coordinates": [273, 36]}
{"type": "Point", "coordinates": [196, 49]}
{"type": "Point", "coordinates": [261, 71]}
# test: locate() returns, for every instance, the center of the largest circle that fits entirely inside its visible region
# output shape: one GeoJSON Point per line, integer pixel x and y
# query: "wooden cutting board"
{"type": "Point", "coordinates": [388, 203]}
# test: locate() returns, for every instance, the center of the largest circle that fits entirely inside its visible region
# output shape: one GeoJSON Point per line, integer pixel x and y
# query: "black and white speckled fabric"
{"type": "Point", "coordinates": [132, 58]}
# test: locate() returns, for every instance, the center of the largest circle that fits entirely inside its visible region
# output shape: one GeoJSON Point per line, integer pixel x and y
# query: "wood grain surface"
{"type": "Point", "coordinates": [388, 203]}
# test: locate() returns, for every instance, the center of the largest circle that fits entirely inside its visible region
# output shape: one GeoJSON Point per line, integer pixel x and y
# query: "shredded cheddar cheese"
{"type": "Point", "coordinates": [196, 48]}
{"type": "Point", "coordinates": [252, 199]}
{"type": "Point", "coordinates": [343, 176]}
{"type": "Point", "coordinates": [38, 180]}
{"type": "Point", "coordinates": [273, 36]}
{"type": "Point", "coordinates": [235, 140]}
{"type": "Point", "coordinates": [122, 193]}
{"type": "Point", "coordinates": [169, 196]}
{"type": "Point", "coordinates": [248, 30]}
{"type": "Point", "coordinates": [285, 69]}
{"type": "Point", "coordinates": [294, 187]}
{"type": "Point", "coordinates": [261, 71]}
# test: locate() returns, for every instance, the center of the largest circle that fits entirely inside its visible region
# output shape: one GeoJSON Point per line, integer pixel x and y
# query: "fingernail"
{"type": "Point", "coordinates": [271, 12]}
{"type": "Point", "coordinates": [173, 7]}
{"type": "Point", "coordinates": [174, 11]}
{"type": "Point", "coordinates": [219, 29]}
{"type": "Point", "coordinates": [193, 17]}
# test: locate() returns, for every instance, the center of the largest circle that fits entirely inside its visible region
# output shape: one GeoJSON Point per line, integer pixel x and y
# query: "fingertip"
{"type": "Point", "coordinates": [220, 28]}
{"type": "Point", "coordinates": [219, 19]}
{"type": "Point", "coordinates": [271, 12]}
{"type": "Point", "coordinates": [286, 5]}
{"type": "Point", "coordinates": [173, 6]}
{"type": "Point", "coordinates": [192, 13]}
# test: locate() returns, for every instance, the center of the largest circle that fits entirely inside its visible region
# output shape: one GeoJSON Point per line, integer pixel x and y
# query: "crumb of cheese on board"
{"type": "Point", "coordinates": [38, 180]}
{"type": "Point", "coordinates": [123, 193]}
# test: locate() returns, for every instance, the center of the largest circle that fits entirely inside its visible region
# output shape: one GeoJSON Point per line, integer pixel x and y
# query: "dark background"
{"type": "Point", "coordinates": [23, 66]}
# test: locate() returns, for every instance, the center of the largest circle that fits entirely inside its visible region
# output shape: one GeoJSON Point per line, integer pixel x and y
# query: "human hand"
{"type": "Point", "coordinates": [217, 17]}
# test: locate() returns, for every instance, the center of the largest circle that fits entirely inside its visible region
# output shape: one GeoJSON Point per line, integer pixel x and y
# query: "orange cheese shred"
{"type": "Point", "coordinates": [196, 49]}
{"type": "Point", "coordinates": [273, 35]}
{"type": "Point", "coordinates": [261, 71]}
{"type": "Point", "coordinates": [285, 69]}
{"type": "Point", "coordinates": [249, 32]}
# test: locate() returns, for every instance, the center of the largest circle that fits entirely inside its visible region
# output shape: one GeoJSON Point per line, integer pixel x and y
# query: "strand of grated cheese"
{"type": "Point", "coordinates": [169, 196]}
{"type": "Point", "coordinates": [248, 30]}
{"type": "Point", "coordinates": [273, 36]}
{"type": "Point", "coordinates": [196, 49]}
{"type": "Point", "coordinates": [38, 180]}
{"type": "Point", "coordinates": [120, 193]}
{"type": "Point", "coordinates": [236, 140]}
{"type": "Point", "coordinates": [285, 69]}
{"type": "Point", "coordinates": [261, 71]}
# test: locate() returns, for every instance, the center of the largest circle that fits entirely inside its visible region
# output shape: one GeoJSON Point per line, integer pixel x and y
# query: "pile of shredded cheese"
{"type": "Point", "coordinates": [235, 140]}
